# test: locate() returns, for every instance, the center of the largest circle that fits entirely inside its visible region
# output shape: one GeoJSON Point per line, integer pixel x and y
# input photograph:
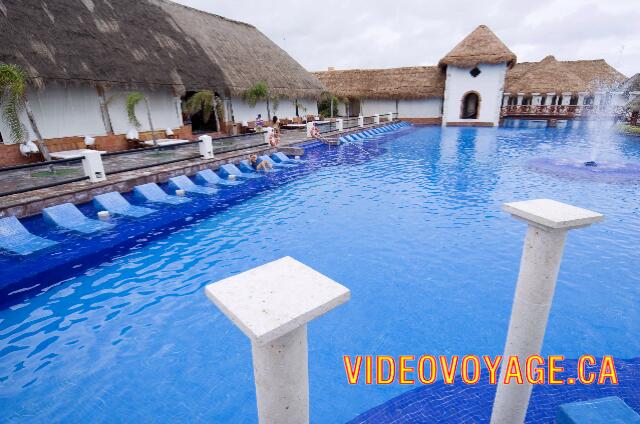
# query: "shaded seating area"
{"type": "Point", "coordinates": [69, 217]}
{"type": "Point", "coordinates": [151, 192]}
{"type": "Point", "coordinates": [16, 239]}
{"type": "Point", "coordinates": [116, 204]}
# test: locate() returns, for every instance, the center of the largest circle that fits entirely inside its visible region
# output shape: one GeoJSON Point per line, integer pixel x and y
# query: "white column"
{"type": "Point", "coordinates": [548, 222]}
{"type": "Point", "coordinates": [339, 124]}
{"type": "Point", "coordinates": [376, 119]}
{"type": "Point", "coordinates": [520, 98]}
{"type": "Point", "coordinates": [505, 99]}
{"type": "Point", "coordinates": [361, 121]}
{"type": "Point", "coordinates": [309, 128]}
{"type": "Point", "coordinates": [566, 98]}
{"type": "Point", "coordinates": [549, 98]}
{"type": "Point", "coordinates": [206, 146]}
{"type": "Point", "coordinates": [581, 96]}
{"type": "Point", "coordinates": [92, 166]}
{"type": "Point", "coordinates": [536, 99]}
{"type": "Point", "coordinates": [272, 305]}
{"type": "Point", "coordinates": [390, 116]}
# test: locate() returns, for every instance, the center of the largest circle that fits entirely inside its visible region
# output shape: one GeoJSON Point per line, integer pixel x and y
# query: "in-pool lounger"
{"type": "Point", "coordinates": [151, 192]}
{"type": "Point", "coordinates": [69, 217]}
{"type": "Point", "coordinates": [16, 239]}
{"type": "Point", "coordinates": [118, 205]}
{"type": "Point", "coordinates": [182, 182]}
{"type": "Point", "coordinates": [245, 167]}
{"type": "Point", "coordinates": [230, 169]}
{"type": "Point", "coordinates": [275, 164]}
{"type": "Point", "coordinates": [209, 177]}
{"type": "Point", "coordinates": [282, 158]}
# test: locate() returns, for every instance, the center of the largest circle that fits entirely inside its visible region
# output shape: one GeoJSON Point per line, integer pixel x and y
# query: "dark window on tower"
{"type": "Point", "coordinates": [475, 72]}
{"type": "Point", "coordinates": [1, 140]}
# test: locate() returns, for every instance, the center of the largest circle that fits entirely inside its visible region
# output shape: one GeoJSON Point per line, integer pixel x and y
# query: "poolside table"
{"type": "Point", "coordinates": [73, 154]}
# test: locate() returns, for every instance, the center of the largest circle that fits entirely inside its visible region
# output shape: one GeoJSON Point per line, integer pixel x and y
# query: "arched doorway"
{"type": "Point", "coordinates": [470, 106]}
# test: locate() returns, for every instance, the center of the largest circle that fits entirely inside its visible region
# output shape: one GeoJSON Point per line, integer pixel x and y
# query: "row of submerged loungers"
{"type": "Point", "coordinates": [372, 133]}
{"type": "Point", "coordinates": [17, 240]}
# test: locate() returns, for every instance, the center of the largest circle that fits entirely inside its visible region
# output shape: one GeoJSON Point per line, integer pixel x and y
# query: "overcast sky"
{"type": "Point", "coordinates": [382, 34]}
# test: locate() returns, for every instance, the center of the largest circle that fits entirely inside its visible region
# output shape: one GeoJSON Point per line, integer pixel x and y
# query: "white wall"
{"type": "Point", "coordinates": [164, 107]}
{"type": "Point", "coordinates": [489, 84]}
{"type": "Point", "coordinates": [379, 106]}
{"type": "Point", "coordinates": [61, 112]}
{"type": "Point", "coordinates": [243, 112]}
{"type": "Point", "coordinates": [420, 108]}
{"type": "Point", "coordinates": [287, 109]}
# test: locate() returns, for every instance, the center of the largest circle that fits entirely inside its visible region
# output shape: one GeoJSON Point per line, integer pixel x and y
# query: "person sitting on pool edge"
{"type": "Point", "coordinates": [259, 166]}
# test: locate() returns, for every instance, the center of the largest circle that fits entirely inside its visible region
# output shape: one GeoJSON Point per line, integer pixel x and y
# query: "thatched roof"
{"type": "Point", "coordinates": [632, 84]}
{"type": "Point", "coordinates": [481, 46]}
{"type": "Point", "coordinates": [394, 83]}
{"type": "Point", "coordinates": [145, 43]}
{"type": "Point", "coordinates": [553, 76]}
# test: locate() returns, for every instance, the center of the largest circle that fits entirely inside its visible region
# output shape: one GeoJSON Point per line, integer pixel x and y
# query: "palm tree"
{"type": "Point", "coordinates": [258, 92]}
{"type": "Point", "coordinates": [208, 103]}
{"type": "Point", "coordinates": [133, 99]}
{"type": "Point", "coordinates": [13, 93]}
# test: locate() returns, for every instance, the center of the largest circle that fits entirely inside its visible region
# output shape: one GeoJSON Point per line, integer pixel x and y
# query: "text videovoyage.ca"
{"type": "Point", "coordinates": [425, 369]}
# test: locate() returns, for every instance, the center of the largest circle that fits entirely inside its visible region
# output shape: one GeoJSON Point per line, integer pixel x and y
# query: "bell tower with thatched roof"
{"type": "Point", "coordinates": [475, 73]}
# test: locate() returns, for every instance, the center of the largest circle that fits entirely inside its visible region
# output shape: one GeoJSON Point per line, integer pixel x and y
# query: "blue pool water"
{"type": "Point", "coordinates": [116, 328]}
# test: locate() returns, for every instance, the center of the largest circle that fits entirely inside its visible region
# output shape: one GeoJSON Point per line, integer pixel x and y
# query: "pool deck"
{"type": "Point", "coordinates": [32, 202]}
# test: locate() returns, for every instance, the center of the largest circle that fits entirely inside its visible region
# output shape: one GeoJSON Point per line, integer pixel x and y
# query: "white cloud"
{"type": "Point", "coordinates": [381, 34]}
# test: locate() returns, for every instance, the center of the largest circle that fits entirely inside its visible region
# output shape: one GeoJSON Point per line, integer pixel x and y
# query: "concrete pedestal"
{"type": "Point", "coordinates": [272, 304]}
{"type": "Point", "coordinates": [361, 121]}
{"type": "Point", "coordinates": [280, 369]}
{"type": "Point", "coordinates": [548, 222]}
{"type": "Point", "coordinates": [92, 166]}
{"type": "Point", "coordinates": [205, 146]}
{"type": "Point", "coordinates": [339, 124]}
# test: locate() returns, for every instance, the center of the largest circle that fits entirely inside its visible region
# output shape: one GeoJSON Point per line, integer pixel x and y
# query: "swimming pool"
{"type": "Point", "coordinates": [411, 224]}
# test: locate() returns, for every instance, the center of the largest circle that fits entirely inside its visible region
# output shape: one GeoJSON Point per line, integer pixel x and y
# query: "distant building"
{"type": "Point", "coordinates": [474, 84]}
{"type": "Point", "coordinates": [82, 57]}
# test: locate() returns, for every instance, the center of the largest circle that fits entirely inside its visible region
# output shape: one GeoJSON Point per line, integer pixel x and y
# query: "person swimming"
{"type": "Point", "coordinates": [263, 165]}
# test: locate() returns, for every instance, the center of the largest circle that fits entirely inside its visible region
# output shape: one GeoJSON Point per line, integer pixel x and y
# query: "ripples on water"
{"type": "Point", "coordinates": [412, 225]}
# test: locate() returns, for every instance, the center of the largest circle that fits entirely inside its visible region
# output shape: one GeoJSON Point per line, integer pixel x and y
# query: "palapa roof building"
{"type": "Point", "coordinates": [145, 43]}
{"type": "Point", "coordinates": [481, 46]}
{"type": "Point", "coordinates": [394, 83]}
